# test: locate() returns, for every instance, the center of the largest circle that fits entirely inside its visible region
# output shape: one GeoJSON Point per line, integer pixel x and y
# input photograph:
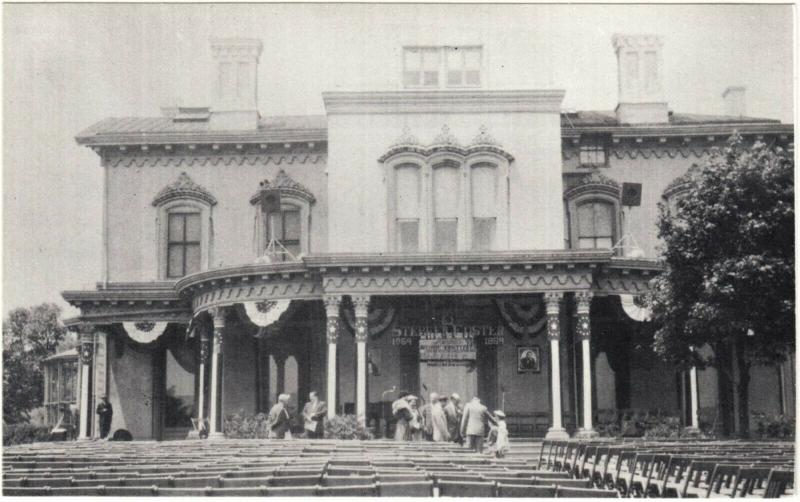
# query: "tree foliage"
{"type": "Point", "coordinates": [29, 336]}
{"type": "Point", "coordinates": [729, 253]}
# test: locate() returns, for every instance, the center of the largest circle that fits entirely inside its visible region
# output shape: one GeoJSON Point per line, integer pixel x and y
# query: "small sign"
{"type": "Point", "coordinates": [632, 194]}
{"type": "Point", "coordinates": [528, 359]}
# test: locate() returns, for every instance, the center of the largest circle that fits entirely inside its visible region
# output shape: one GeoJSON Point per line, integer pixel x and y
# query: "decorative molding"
{"type": "Point", "coordinates": [553, 303]}
{"type": "Point", "coordinates": [445, 138]}
{"type": "Point", "coordinates": [594, 182]}
{"type": "Point", "coordinates": [332, 303]}
{"type": "Point", "coordinates": [236, 48]}
{"type": "Point", "coordinates": [218, 317]}
{"type": "Point", "coordinates": [86, 352]}
{"type": "Point", "coordinates": [182, 188]}
{"type": "Point", "coordinates": [583, 299]}
{"type": "Point", "coordinates": [665, 152]}
{"type": "Point", "coordinates": [205, 350]}
{"type": "Point", "coordinates": [361, 308]}
{"type": "Point", "coordinates": [620, 41]}
{"type": "Point", "coordinates": [446, 142]}
{"type": "Point", "coordinates": [455, 101]}
{"type": "Point", "coordinates": [616, 286]}
{"type": "Point", "coordinates": [286, 185]}
{"type": "Point", "coordinates": [277, 289]}
{"type": "Point", "coordinates": [583, 327]}
{"type": "Point", "coordinates": [484, 138]}
{"type": "Point", "coordinates": [406, 139]}
{"type": "Point", "coordinates": [214, 160]}
{"type": "Point", "coordinates": [457, 283]}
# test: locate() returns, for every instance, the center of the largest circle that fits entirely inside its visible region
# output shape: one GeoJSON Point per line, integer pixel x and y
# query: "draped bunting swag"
{"type": "Point", "coordinates": [378, 319]}
{"type": "Point", "coordinates": [524, 316]}
{"type": "Point", "coordinates": [267, 312]}
{"type": "Point", "coordinates": [144, 332]}
{"type": "Point", "coordinates": [634, 311]}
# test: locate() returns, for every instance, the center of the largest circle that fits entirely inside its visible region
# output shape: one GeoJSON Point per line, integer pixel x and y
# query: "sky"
{"type": "Point", "coordinates": [67, 66]}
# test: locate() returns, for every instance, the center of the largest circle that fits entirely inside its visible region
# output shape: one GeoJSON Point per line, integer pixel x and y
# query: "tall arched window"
{"type": "Point", "coordinates": [407, 207]}
{"type": "Point", "coordinates": [446, 194]}
{"type": "Point", "coordinates": [593, 207]}
{"type": "Point", "coordinates": [291, 224]}
{"type": "Point", "coordinates": [284, 226]}
{"type": "Point", "coordinates": [484, 206]}
{"type": "Point", "coordinates": [183, 228]}
{"type": "Point", "coordinates": [595, 225]}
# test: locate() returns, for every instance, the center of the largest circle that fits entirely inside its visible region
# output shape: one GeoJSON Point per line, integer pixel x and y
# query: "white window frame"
{"type": "Point", "coordinates": [289, 202]}
{"type": "Point", "coordinates": [586, 198]}
{"type": "Point", "coordinates": [182, 205]}
{"type": "Point", "coordinates": [443, 69]}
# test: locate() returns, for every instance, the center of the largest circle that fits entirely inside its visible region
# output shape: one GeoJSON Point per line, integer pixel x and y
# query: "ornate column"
{"type": "Point", "coordinates": [552, 300]}
{"type": "Point", "coordinates": [205, 352]}
{"type": "Point", "coordinates": [86, 354]}
{"type": "Point", "coordinates": [584, 330]}
{"type": "Point", "coordinates": [361, 304]}
{"type": "Point", "coordinates": [215, 427]}
{"type": "Point", "coordinates": [332, 334]}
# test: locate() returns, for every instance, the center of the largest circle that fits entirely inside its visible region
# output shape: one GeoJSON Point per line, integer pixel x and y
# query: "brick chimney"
{"type": "Point", "coordinates": [641, 89]}
{"type": "Point", "coordinates": [234, 101]}
{"type": "Point", "coordinates": [734, 101]}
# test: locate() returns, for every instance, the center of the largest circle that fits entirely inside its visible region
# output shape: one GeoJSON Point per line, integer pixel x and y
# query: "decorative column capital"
{"type": "Point", "coordinates": [218, 317]}
{"type": "Point", "coordinates": [332, 303]}
{"type": "Point", "coordinates": [553, 303]}
{"type": "Point", "coordinates": [87, 351]}
{"type": "Point", "coordinates": [584, 302]}
{"type": "Point", "coordinates": [361, 305]}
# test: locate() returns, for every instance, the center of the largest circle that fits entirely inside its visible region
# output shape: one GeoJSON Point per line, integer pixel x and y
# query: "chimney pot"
{"type": "Point", "coordinates": [734, 101]}
{"type": "Point", "coordinates": [235, 94]}
{"type": "Point", "coordinates": [641, 91]}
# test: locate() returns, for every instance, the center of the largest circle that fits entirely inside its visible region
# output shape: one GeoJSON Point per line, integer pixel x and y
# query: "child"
{"type": "Point", "coordinates": [500, 434]}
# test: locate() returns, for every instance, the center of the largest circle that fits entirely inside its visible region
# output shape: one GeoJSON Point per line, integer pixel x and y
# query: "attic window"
{"type": "Point", "coordinates": [593, 151]}
{"type": "Point", "coordinates": [194, 114]}
{"type": "Point", "coordinates": [438, 67]}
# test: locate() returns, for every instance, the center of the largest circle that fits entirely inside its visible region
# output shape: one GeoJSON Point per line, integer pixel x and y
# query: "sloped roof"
{"type": "Point", "coordinates": [609, 118]}
{"type": "Point", "coordinates": [66, 354]}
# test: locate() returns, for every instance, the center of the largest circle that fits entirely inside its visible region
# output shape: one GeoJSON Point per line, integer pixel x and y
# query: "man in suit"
{"type": "Point", "coordinates": [279, 420]}
{"type": "Point", "coordinates": [453, 412]}
{"type": "Point", "coordinates": [313, 416]}
{"type": "Point", "coordinates": [473, 423]}
{"type": "Point", "coordinates": [427, 416]}
{"type": "Point", "coordinates": [105, 411]}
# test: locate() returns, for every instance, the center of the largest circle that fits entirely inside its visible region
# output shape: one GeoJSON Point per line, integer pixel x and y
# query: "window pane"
{"type": "Point", "coordinates": [407, 192]}
{"type": "Point", "coordinates": [483, 233]}
{"type": "Point", "coordinates": [604, 242]}
{"type": "Point", "coordinates": [445, 235]}
{"type": "Point", "coordinates": [408, 236]}
{"type": "Point", "coordinates": [176, 227]}
{"type": "Point", "coordinates": [274, 224]}
{"type": "Point", "coordinates": [585, 220]}
{"type": "Point", "coordinates": [472, 77]}
{"type": "Point", "coordinates": [454, 77]}
{"type": "Point", "coordinates": [192, 258]}
{"type": "Point", "coordinates": [192, 223]}
{"type": "Point", "coordinates": [431, 78]}
{"type": "Point", "coordinates": [602, 219]}
{"type": "Point", "coordinates": [472, 59]}
{"type": "Point", "coordinates": [411, 78]}
{"type": "Point", "coordinates": [484, 190]}
{"type": "Point", "coordinates": [291, 225]}
{"type": "Point", "coordinates": [445, 185]}
{"type": "Point", "coordinates": [293, 248]}
{"type": "Point", "coordinates": [175, 261]}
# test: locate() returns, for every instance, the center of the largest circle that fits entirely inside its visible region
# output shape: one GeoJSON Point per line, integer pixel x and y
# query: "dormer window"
{"type": "Point", "coordinates": [592, 151]}
{"type": "Point", "coordinates": [442, 67]}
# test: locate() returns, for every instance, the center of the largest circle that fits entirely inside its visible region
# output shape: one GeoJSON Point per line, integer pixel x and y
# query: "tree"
{"type": "Point", "coordinates": [29, 336]}
{"type": "Point", "coordinates": [729, 255]}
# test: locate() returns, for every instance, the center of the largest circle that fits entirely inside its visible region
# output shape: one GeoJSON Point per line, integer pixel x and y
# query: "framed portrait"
{"type": "Point", "coordinates": [528, 359]}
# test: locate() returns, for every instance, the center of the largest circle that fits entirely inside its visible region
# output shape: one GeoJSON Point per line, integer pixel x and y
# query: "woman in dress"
{"type": "Point", "coordinates": [417, 423]}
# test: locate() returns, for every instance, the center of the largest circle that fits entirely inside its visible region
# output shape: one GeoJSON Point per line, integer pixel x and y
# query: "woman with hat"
{"type": "Point", "coordinates": [500, 433]}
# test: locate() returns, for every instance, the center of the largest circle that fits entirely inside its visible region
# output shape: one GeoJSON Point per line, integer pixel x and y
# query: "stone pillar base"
{"type": "Point", "coordinates": [587, 434]}
{"type": "Point", "coordinates": [559, 433]}
{"type": "Point", "coordinates": [216, 435]}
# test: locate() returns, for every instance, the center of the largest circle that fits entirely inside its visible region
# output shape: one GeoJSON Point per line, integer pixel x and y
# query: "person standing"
{"type": "Point", "coordinates": [427, 417]}
{"type": "Point", "coordinates": [500, 432]}
{"type": "Point", "coordinates": [313, 416]}
{"type": "Point", "coordinates": [105, 412]}
{"type": "Point", "coordinates": [439, 421]}
{"type": "Point", "coordinates": [279, 419]}
{"type": "Point", "coordinates": [453, 411]}
{"type": "Point", "coordinates": [473, 424]}
{"type": "Point", "coordinates": [417, 422]}
{"type": "Point", "coordinates": [401, 412]}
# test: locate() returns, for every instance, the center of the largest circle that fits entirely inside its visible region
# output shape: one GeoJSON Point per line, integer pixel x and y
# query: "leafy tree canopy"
{"type": "Point", "coordinates": [729, 253]}
{"type": "Point", "coordinates": [29, 336]}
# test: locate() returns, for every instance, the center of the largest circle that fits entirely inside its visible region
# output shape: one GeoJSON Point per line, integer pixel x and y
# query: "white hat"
{"type": "Point", "coordinates": [499, 414]}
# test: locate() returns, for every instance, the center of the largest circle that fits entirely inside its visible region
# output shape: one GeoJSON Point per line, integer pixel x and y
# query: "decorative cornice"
{"type": "Point", "coordinates": [594, 182]}
{"type": "Point", "coordinates": [286, 185]}
{"type": "Point", "coordinates": [184, 188]}
{"type": "Point", "coordinates": [460, 101]}
{"type": "Point", "coordinates": [446, 142]}
{"type": "Point", "coordinates": [620, 41]}
{"type": "Point", "coordinates": [484, 138]}
{"type": "Point", "coordinates": [445, 138]}
{"type": "Point", "coordinates": [236, 48]}
{"type": "Point", "coordinates": [406, 139]}
{"type": "Point", "coordinates": [276, 289]}
{"type": "Point", "coordinates": [214, 160]}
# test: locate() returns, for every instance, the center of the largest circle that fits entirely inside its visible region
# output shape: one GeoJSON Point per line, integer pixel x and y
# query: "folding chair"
{"type": "Point", "coordinates": [777, 482]}
{"type": "Point", "coordinates": [347, 480]}
{"type": "Point", "coordinates": [295, 480]}
{"type": "Point", "coordinates": [348, 491]}
{"type": "Point", "coordinates": [723, 474]}
{"type": "Point", "coordinates": [466, 489]}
